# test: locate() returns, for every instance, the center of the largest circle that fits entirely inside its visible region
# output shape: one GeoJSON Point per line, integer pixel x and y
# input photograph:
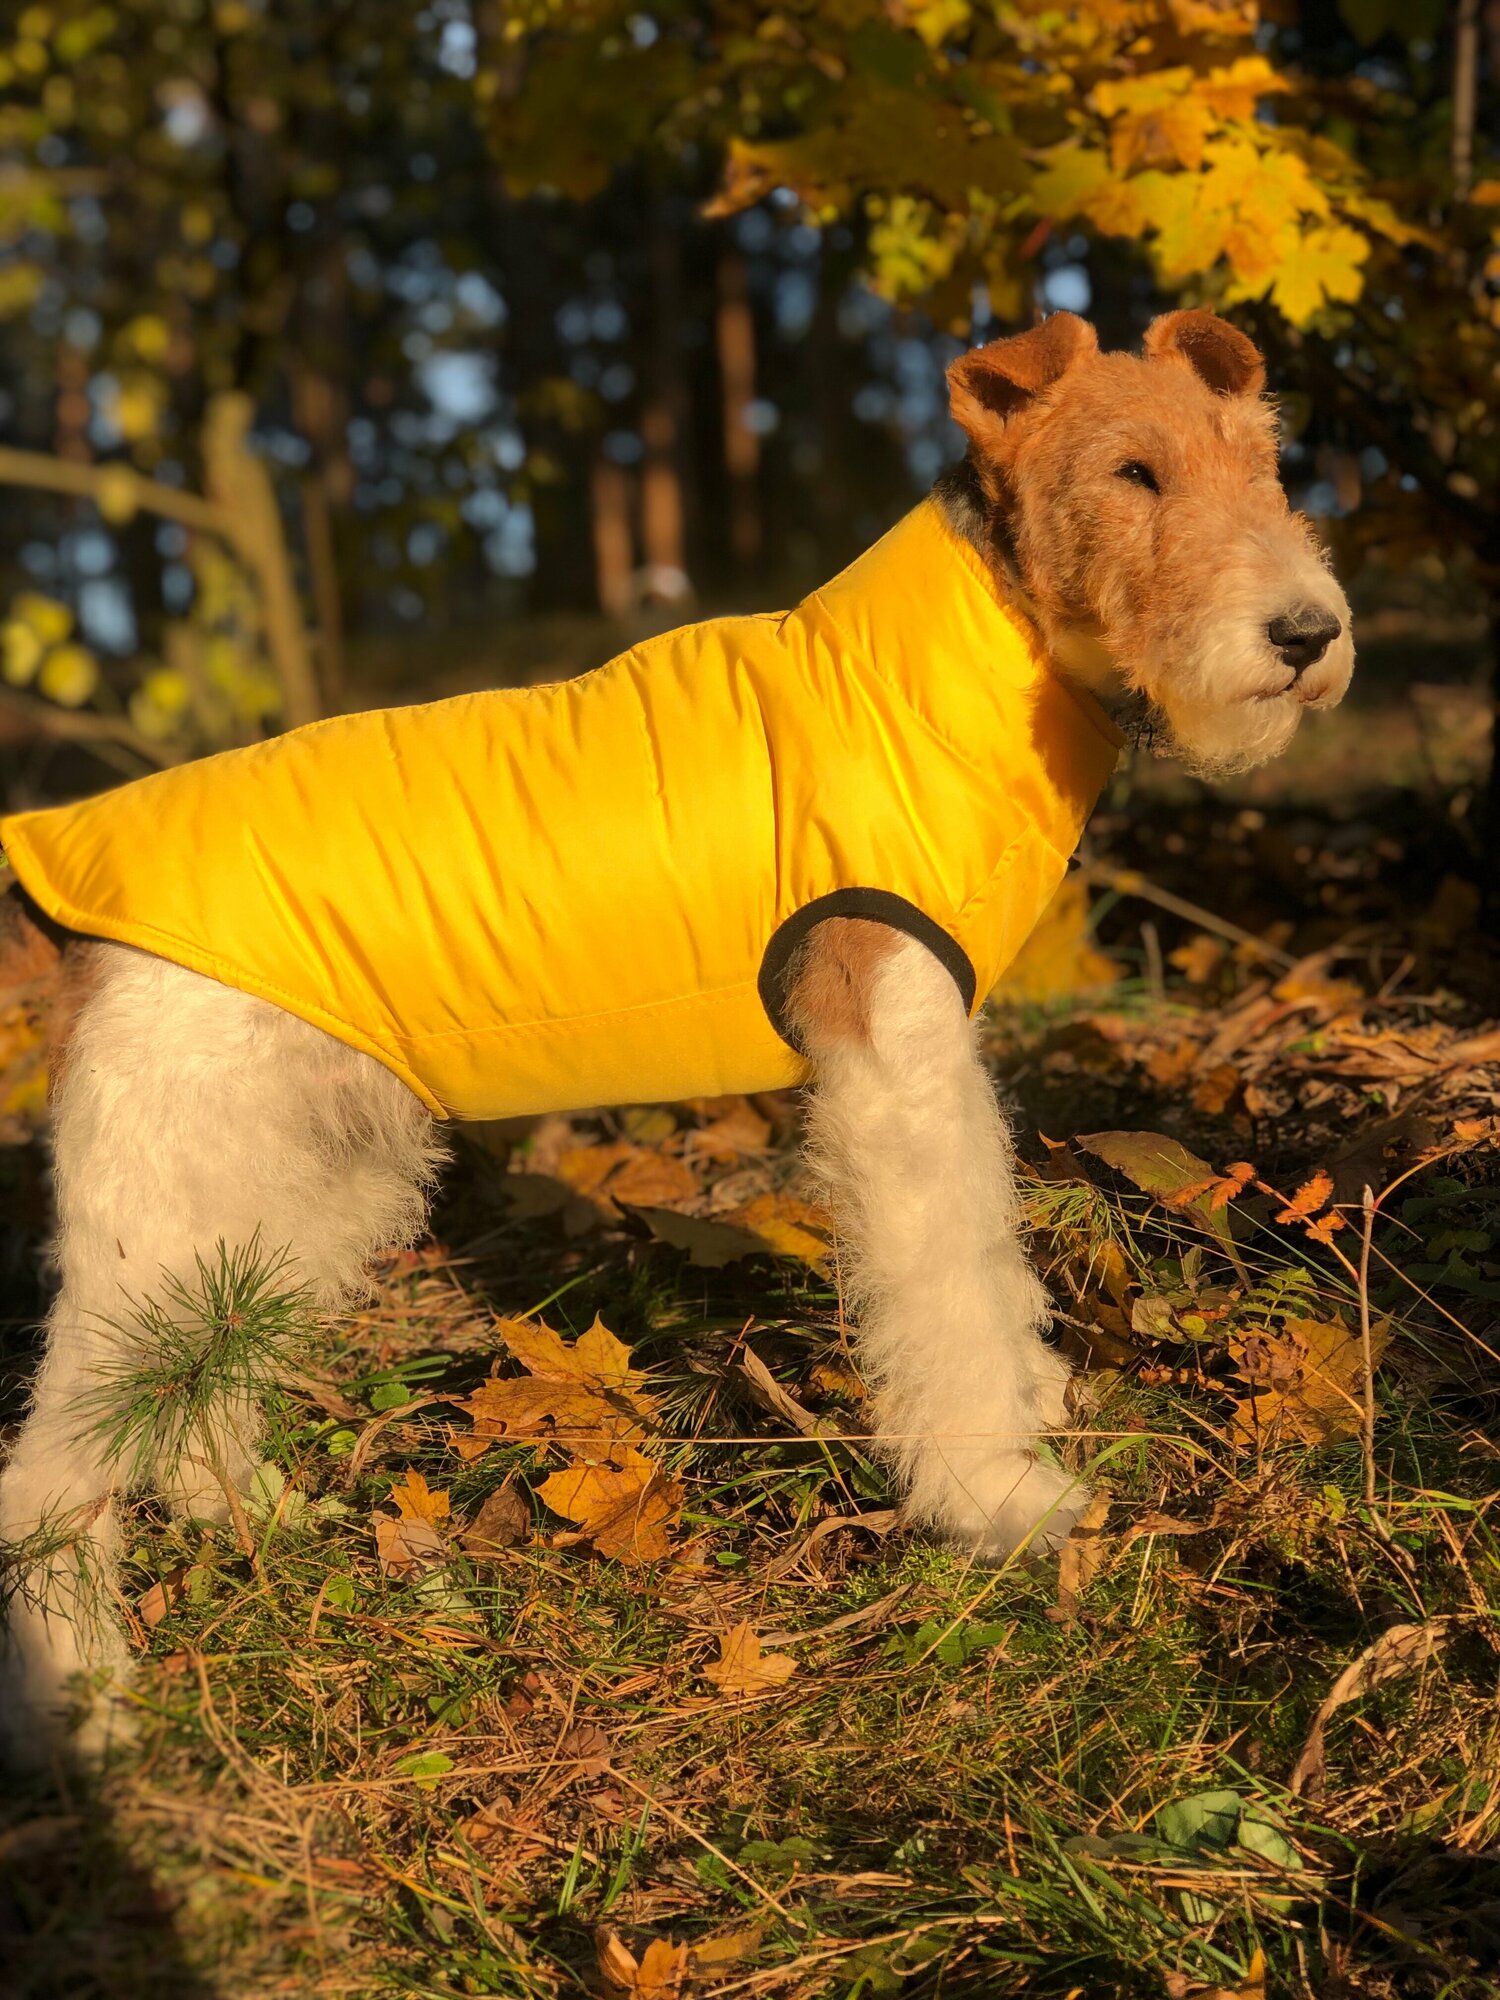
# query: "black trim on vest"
{"type": "Point", "coordinates": [879, 906]}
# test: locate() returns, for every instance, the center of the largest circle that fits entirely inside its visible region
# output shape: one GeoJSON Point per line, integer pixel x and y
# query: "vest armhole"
{"type": "Point", "coordinates": [879, 906]}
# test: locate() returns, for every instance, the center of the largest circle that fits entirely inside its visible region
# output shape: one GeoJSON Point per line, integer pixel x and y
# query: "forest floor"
{"type": "Point", "coordinates": [604, 1664]}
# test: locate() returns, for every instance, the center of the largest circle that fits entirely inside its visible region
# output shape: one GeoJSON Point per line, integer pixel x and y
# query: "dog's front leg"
{"type": "Point", "coordinates": [905, 1132]}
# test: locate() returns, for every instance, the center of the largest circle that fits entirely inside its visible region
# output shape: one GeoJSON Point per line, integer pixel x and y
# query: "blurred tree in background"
{"type": "Point", "coordinates": [547, 304]}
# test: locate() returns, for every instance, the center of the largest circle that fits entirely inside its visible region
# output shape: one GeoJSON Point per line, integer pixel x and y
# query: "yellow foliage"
{"type": "Point", "coordinates": [20, 652]}
{"type": "Point", "coordinates": [1060, 957]}
{"type": "Point", "coordinates": [69, 676]}
{"type": "Point", "coordinates": [115, 494]}
{"type": "Point", "coordinates": [159, 705]}
{"type": "Point", "coordinates": [49, 620]}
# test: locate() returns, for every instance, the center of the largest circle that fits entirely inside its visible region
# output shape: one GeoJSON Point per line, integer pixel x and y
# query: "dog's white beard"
{"type": "Point", "coordinates": [1215, 741]}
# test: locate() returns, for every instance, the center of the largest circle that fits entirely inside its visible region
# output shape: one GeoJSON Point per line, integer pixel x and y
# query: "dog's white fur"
{"type": "Point", "coordinates": [240, 1119]}
{"type": "Point", "coordinates": [907, 1135]}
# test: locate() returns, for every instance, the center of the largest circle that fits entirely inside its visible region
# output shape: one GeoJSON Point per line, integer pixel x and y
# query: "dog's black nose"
{"type": "Point", "coordinates": [1303, 635]}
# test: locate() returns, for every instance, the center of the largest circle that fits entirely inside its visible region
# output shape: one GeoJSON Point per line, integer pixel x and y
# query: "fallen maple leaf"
{"type": "Point", "coordinates": [739, 1131]}
{"type": "Point", "coordinates": [743, 1669]}
{"type": "Point", "coordinates": [1081, 1555]}
{"type": "Point", "coordinates": [773, 1225]}
{"type": "Point", "coordinates": [654, 1178]}
{"type": "Point", "coordinates": [502, 1522]}
{"type": "Point", "coordinates": [407, 1545]}
{"type": "Point", "coordinates": [1307, 1379]}
{"type": "Point", "coordinates": [587, 1396]}
{"type": "Point", "coordinates": [417, 1501]}
{"type": "Point", "coordinates": [1059, 957]}
{"type": "Point", "coordinates": [627, 1510]}
{"type": "Point", "coordinates": [790, 1227]}
{"type": "Point", "coordinates": [659, 1974]}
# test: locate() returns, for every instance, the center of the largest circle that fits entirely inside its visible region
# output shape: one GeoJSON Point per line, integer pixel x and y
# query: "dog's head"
{"type": "Point", "coordinates": [1137, 501]}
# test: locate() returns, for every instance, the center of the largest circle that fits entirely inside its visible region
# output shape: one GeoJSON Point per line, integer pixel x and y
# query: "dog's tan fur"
{"type": "Point", "coordinates": [1130, 505]}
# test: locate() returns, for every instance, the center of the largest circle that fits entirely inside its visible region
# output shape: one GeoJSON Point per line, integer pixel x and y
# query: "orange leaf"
{"type": "Point", "coordinates": [626, 1510]}
{"type": "Point", "coordinates": [660, 1973]}
{"type": "Point", "coordinates": [1308, 1199]}
{"type": "Point", "coordinates": [587, 1395]}
{"type": "Point", "coordinates": [417, 1501]}
{"type": "Point", "coordinates": [743, 1669]}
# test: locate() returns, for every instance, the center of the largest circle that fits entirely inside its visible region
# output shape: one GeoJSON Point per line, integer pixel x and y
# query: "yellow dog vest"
{"type": "Point", "coordinates": [554, 897]}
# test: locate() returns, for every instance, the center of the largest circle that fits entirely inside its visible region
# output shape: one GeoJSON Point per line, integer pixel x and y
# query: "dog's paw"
{"type": "Point", "coordinates": [1015, 1504]}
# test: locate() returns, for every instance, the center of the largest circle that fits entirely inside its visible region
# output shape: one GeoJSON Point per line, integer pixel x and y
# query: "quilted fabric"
{"type": "Point", "coordinates": [554, 897]}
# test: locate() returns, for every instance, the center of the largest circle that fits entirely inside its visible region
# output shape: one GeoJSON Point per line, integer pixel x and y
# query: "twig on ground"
{"type": "Point", "coordinates": [1130, 882]}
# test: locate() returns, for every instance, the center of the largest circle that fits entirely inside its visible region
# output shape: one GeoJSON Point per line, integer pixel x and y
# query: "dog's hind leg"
{"type": "Point", "coordinates": [186, 1116]}
{"type": "Point", "coordinates": [905, 1131]}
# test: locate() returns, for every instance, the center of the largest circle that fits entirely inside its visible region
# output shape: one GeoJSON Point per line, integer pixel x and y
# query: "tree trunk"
{"type": "Point", "coordinates": [734, 328]}
{"type": "Point", "coordinates": [662, 512]}
{"type": "Point", "coordinates": [614, 544]}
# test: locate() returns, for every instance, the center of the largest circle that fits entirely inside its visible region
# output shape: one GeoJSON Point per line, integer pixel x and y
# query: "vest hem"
{"type": "Point", "coordinates": [879, 906]}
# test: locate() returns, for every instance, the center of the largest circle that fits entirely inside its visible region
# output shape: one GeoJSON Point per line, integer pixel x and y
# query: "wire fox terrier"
{"type": "Point", "coordinates": [829, 831]}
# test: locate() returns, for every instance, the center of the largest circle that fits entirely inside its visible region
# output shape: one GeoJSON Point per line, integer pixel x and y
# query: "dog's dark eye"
{"type": "Point", "coordinates": [1138, 473]}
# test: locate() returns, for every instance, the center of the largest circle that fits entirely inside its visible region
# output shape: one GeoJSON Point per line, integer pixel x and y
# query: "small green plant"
{"type": "Point", "coordinates": [193, 1354]}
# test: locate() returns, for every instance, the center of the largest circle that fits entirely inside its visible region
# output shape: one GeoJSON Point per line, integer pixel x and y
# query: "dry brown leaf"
{"type": "Point", "coordinates": [502, 1522]}
{"type": "Point", "coordinates": [769, 1393]}
{"type": "Point", "coordinates": [787, 1226]}
{"type": "Point", "coordinates": [587, 1746]}
{"type": "Point", "coordinates": [587, 1396]}
{"type": "Point", "coordinates": [1200, 958]}
{"type": "Point", "coordinates": [407, 1546]}
{"type": "Point", "coordinates": [587, 1168]}
{"type": "Point", "coordinates": [654, 1180]}
{"type": "Point", "coordinates": [1398, 1650]}
{"type": "Point", "coordinates": [742, 1669]}
{"type": "Point", "coordinates": [836, 1377]}
{"type": "Point", "coordinates": [740, 1131]}
{"type": "Point", "coordinates": [1081, 1554]}
{"type": "Point", "coordinates": [626, 1510]}
{"type": "Point", "coordinates": [660, 1973]}
{"type": "Point", "coordinates": [417, 1501]}
{"type": "Point", "coordinates": [1309, 1380]}
{"type": "Point", "coordinates": [166, 1593]}
{"type": "Point", "coordinates": [1214, 1089]}
{"type": "Point", "coordinates": [773, 1225]}
{"type": "Point", "coordinates": [728, 1948]}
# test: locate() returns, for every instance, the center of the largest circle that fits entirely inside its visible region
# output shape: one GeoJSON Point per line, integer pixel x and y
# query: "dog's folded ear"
{"type": "Point", "coordinates": [1223, 357]}
{"type": "Point", "coordinates": [990, 385]}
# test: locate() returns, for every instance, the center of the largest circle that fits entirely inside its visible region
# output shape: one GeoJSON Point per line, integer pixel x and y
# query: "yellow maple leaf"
{"type": "Point", "coordinates": [627, 1510]}
{"type": "Point", "coordinates": [1234, 91]}
{"type": "Point", "coordinates": [660, 1973]}
{"type": "Point", "coordinates": [586, 1396]}
{"type": "Point", "coordinates": [1326, 268]}
{"type": "Point", "coordinates": [789, 1227]}
{"type": "Point", "coordinates": [742, 1669]}
{"type": "Point", "coordinates": [1306, 1381]}
{"type": "Point", "coordinates": [416, 1499]}
{"type": "Point", "coordinates": [1071, 179]}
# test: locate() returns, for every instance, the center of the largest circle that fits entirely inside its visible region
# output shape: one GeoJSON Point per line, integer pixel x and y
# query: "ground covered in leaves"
{"type": "Point", "coordinates": [570, 1640]}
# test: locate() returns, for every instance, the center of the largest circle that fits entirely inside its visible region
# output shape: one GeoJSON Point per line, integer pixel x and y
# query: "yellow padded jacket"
{"type": "Point", "coordinates": [586, 893]}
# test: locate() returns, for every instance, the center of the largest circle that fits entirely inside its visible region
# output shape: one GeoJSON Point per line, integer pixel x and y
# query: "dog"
{"type": "Point", "coordinates": [782, 849]}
